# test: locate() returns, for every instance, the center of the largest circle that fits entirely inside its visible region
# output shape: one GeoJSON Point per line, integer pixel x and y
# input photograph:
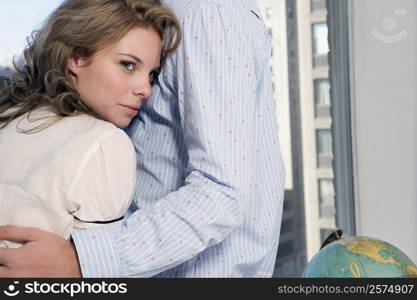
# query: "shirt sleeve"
{"type": "Point", "coordinates": [103, 185]}
{"type": "Point", "coordinates": [213, 79]}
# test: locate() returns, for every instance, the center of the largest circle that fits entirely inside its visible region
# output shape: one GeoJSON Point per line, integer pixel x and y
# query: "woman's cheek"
{"type": "Point", "coordinates": [115, 83]}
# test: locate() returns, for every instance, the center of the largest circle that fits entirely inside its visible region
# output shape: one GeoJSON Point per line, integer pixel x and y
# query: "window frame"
{"type": "Point", "coordinates": [339, 76]}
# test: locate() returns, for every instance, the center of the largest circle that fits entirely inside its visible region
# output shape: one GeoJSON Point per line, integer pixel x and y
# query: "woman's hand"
{"type": "Point", "coordinates": [43, 254]}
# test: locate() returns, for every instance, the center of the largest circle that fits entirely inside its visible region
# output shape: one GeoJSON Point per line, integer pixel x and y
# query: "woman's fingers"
{"type": "Point", "coordinates": [4, 256]}
{"type": "Point", "coordinates": [19, 234]}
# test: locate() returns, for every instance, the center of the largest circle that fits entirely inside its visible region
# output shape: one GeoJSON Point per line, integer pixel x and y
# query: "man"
{"type": "Point", "coordinates": [210, 182]}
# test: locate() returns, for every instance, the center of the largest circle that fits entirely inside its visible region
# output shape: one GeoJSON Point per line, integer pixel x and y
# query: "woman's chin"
{"type": "Point", "coordinates": [122, 123]}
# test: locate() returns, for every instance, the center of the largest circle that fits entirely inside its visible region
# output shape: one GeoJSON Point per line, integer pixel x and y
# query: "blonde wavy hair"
{"type": "Point", "coordinates": [76, 27]}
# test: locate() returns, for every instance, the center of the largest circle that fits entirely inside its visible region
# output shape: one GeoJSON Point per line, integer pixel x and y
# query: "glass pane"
{"type": "Point", "coordinates": [322, 91]}
{"type": "Point", "coordinates": [317, 5]}
{"type": "Point", "coordinates": [324, 142]}
{"type": "Point", "coordinates": [302, 94]}
{"type": "Point", "coordinates": [286, 226]}
{"type": "Point", "coordinates": [326, 195]}
{"type": "Point", "coordinates": [324, 149]}
{"type": "Point", "coordinates": [17, 21]}
{"type": "Point", "coordinates": [320, 44]}
{"type": "Point", "coordinates": [322, 98]}
{"type": "Point", "coordinates": [299, 67]}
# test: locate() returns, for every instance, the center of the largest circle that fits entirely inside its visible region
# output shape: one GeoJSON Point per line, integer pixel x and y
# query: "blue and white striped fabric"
{"type": "Point", "coordinates": [210, 183]}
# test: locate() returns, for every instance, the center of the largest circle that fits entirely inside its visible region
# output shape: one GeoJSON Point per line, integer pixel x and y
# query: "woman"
{"type": "Point", "coordinates": [65, 164]}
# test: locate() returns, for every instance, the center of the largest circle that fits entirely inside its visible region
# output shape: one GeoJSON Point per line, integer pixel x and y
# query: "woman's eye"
{"type": "Point", "coordinates": [128, 65]}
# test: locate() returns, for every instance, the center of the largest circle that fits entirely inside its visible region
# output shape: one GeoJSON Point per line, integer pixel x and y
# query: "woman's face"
{"type": "Point", "coordinates": [116, 80]}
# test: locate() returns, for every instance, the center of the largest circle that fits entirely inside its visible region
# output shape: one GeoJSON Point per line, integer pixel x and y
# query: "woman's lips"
{"type": "Point", "coordinates": [132, 110]}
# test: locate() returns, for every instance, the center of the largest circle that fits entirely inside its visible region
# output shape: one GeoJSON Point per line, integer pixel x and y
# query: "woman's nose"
{"type": "Point", "coordinates": [143, 87]}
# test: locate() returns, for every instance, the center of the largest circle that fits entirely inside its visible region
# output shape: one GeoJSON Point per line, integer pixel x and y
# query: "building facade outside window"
{"type": "Point", "coordinates": [302, 86]}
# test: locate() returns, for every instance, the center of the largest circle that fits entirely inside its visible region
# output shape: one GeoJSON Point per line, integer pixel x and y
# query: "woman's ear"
{"type": "Point", "coordinates": [74, 63]}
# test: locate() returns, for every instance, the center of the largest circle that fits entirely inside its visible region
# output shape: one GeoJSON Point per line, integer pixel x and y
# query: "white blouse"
{"type": "Point", "coordinates": [74, 174]}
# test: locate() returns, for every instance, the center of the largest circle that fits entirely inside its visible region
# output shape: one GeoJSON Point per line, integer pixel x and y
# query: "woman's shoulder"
{"type": "Point", "coordinates": [87, 123]}
{"type": "Point", "coordinates": [88, 130]}
{"type": "Point", "coordinates": [77, 134]}
{"type": "Point", "coordinates": [65, 137]}
{"type": "Point", "coordinates": [88, 141]}
{"type": "Point", "coordinates": [43, 121]}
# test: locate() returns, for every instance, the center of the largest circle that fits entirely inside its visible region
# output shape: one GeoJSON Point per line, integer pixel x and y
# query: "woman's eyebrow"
{"type": "Point", "coordinates": [137, 59]}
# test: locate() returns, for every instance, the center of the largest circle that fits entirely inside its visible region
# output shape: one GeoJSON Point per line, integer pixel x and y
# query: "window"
{"type": "Point", "coordinates": [322, 98]}
{"type": "Point", "coordinates": [287, 205]}
{"type": "Point", "coordinates": [320, 44]}
{"type": "Point", "coordinates": [317, 5]}
{"type": "Point", "coordinates": [285, 249]}
{"type": "Point", "coordinates": [17, 21]}
{"type": "Point", "coordinates": [324, 149]}
{"type": "Point", "coordinates": [326, 199]}
{"type": "Point", "coordinates": [286, 226]}
{"type": "Point", "coordinates": [305, 34]}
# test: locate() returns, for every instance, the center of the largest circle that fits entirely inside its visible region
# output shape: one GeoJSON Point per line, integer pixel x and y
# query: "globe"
{"type": "Point", "coordinates": [360, 257]}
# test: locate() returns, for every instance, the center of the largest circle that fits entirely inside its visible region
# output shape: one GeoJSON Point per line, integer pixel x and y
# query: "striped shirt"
{"type": "Point", "coordinates": [210, 185]}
